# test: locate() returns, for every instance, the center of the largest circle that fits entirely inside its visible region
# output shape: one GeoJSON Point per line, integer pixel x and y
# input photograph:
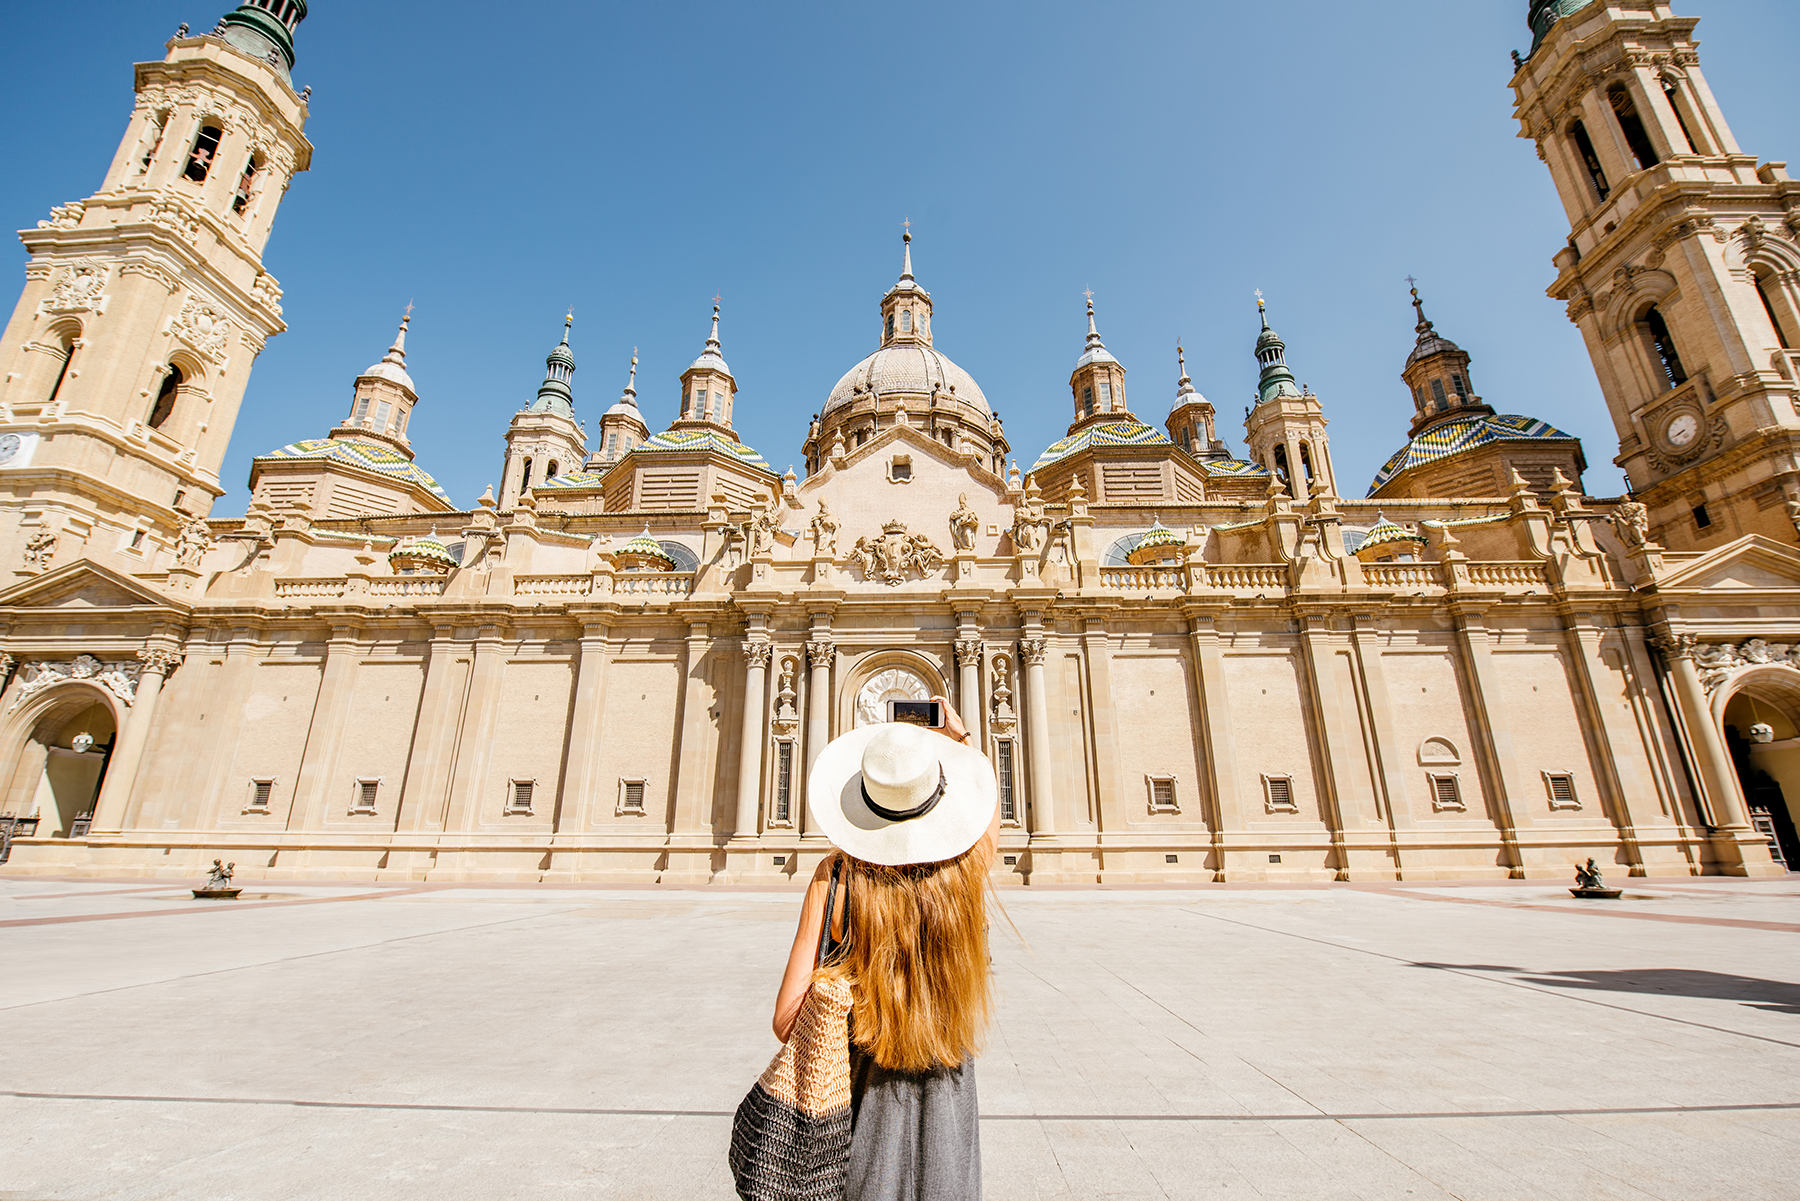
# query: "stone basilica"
{"type": "Point", "coordinates": [1187, 664]}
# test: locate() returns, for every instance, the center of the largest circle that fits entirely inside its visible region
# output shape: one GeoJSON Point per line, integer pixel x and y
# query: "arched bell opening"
{"type": "Point", "coordinates": [1761, 719]}
{"type": "Point", "coordinates": [61, 744]}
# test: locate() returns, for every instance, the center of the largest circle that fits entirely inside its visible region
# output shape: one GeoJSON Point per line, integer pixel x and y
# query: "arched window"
{"type": "Point", "coordinates": [249, 183]}
{"type": "Point", "coordinates": [890, 325]}
{"type": "Point", "coordinates": [1584, 149]}
{"type": "Point", "coordinates": [1674, 94]}
{"type": "Point", "coordinates": [906, 321]}
{"type": "Point", "coordinates": [165, 397]}
{"type": "Point", "coordinates": [62, 369]}
{"type": "Point", "coordinates": [1632, 126]}
{"type": "Point", "coordinates": [525, 480]}
{"type": "Point", "coordinates": [1763, 282]}
{"type": "Point", "coordinates": [200, 158]}
{"type": "Point", "coordinates": [1306, 467]}
{"type": "Point", "coordinates": [553, 472]}
{"type": "Point", "coordinates": [1279, 464]}
{"type": "Point", "coordinates": [1664, 346]}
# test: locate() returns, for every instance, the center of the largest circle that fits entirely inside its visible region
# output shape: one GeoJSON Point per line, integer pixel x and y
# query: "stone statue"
{"type": "Point", "coordinates": [964, 523]}
{"type": "Point", "coordinates": [1631, 522]}
{"type": "Point", "coordinates": [1028, 530]}
{"type": "Point", "coordinates": [1589, 877]}
{"type": "Point", "coordinates": [763, 527]}
{"type": "Point", "coordinates": [824, 532]}
{"type": "Point", "coordinates": [192, 544]}
{"type": "Point", "coordinates": [40, 550]}
{"type": "Point", "coordinates": [221, 875]}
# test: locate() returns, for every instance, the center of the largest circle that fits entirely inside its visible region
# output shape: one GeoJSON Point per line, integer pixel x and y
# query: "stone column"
{"type": "Point", "coordinates": [968, 687]}
{"type": "Point", "coordinates": [474, 797]}
{"type": "Point", "coordinates": [690, 853]}
{"type": "Point", "coordinates": [1037, 718]}
{"type": "Point", "coordinates": [1220, 765]}
{"type": "Point", "coordinates": [1611, 753]}
{"type": "Point", "coordinates": [1490, 727]}
{"type": "Point", "coordinates": [122, 771]}
{"type": "Point", "coordinates": [317, 779]}
{"type": "Point", "coordinates": [1109, 767]}
{"type": "Point", "coordinates": [1712, 763]}
{"type": "Point", "coordinates": [819, 655]}
{"type": "Point", "coordinates": [426, 795]}
{"type": "Point", "coordinates": [1332, 733]}
{"type": "Point", "coordinates": [750, 747]}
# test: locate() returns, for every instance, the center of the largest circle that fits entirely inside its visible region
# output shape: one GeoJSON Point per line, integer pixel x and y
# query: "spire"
{"type": "Point", "coordinates": [556, 395]}
{"type": "Point", "coordinates": [1271, 352]}
{"type": "Point", "coordinates": [1184, 386]}
{"type": "Point", "coordinates": [906, 275]}
{"type": "Point", "coordinates": [712, 339]}
{"type": "Point", "coordinates": [1423, 327]}
{"type": "Point", "coordinates": [629, 396]}
{"type": "Point", "coordinates": [1093, 338]}
{"type": "Point", "coordinates": [397, 352]}
{"type": "Point", "coordinates": [256, 30]}
{"type": "Point", "coordinates": [1095, 350]}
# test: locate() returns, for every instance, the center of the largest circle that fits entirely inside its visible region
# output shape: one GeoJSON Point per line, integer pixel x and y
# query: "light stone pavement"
{"type": "Point", "coordinates": [1490, 1042]}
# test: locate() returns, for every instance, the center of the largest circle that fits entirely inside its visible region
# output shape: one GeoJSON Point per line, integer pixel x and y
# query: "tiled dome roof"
{"type": "Point", "coordinates": [907, 368]}
{"type": "Point", "coordinates": [1105, 433]}
{"type": "Point", "coordinates": [365, 455]}
{"type": "Point", "coordinates": [1463, 433]}
{"type": "Point", "coordinates": [703, 439]}
{"type": "Point", "coordinates": [429, 549]}
{"type": "Point", "coordinates": [1387, 533]}
{"type": "Point", "coordinates": [1160, 535]}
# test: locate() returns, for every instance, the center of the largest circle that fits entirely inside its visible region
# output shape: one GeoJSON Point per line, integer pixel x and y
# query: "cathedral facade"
{"type": "Point", "coordinates": [1187, 664]}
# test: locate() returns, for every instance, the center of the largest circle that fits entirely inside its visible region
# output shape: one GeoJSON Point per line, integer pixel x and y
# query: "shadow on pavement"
{"type": "Point", "coordinates": [1776, 996]}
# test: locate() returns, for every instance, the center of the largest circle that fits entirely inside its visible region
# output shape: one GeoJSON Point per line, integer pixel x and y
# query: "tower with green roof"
{"type": "Point", "coordinates": [544, 439]}
{"type": "Point", "coordinates": [1286, 426]}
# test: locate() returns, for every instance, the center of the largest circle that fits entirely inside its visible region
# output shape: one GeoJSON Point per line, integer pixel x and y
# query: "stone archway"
{"type": "Point", "coordinates": [884, 676]}
{"type": "Point", "coordinates": [1759, 717]}
{"type": "Point", "coordinates": [58, 743]}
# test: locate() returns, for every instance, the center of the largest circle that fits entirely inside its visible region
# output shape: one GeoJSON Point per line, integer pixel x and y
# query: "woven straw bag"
{"type": "Point", "coordinates": [790, 1140]}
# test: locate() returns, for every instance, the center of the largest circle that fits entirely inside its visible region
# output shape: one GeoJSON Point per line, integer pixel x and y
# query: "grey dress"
{"type": "Point", "coordinates": [915, 1136]}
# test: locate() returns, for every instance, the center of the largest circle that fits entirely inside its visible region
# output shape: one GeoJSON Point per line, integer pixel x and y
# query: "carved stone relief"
{"type": "Point", "coordinates": [894, 684]}
{"type": "Point", "coordinates": [120, 679]}
{"type": "Point", "coordinates": [204, 328]}
{"type": "Point", "coordinates": [891, 557]}
{"type": "Point", "coordinates": [78, 289]}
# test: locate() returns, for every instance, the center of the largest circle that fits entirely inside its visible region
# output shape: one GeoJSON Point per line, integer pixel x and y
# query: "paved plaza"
{"type": "Point", "coordinates": [1490, 1042]}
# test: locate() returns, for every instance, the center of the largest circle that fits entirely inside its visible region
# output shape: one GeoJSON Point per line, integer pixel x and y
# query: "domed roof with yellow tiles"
{"type": "Point", "coordinates": [1106, 433]}
{"type": "Point", "coordinates": [365, 455]}
{"type": "Point", "coordinates": [702, 439]}
{"type": "Point", "coordinates": [1464, 433]}
{"type": "Point", "coordinates": [430, 548]}
{"type": "Point", "coordinates": [1387, 533]}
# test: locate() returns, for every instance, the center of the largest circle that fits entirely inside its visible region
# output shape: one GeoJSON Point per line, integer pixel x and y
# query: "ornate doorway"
{"type": "Point", "coordinates": [64, 741]}
{"type": "Point", "coordinates": [1762, 732]}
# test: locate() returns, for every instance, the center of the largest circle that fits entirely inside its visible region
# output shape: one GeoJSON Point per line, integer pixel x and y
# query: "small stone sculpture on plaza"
{"type": "Point", "coordinates": [824, 532]}
{"type": "Point", "coordinates": [964, 523]}
{"type": "Point", "coordinates": [1588, 882]}
{"type": "Point", "coordinates": [218, 885]}
{"type": "Point", "coordinates": [1631, 522]}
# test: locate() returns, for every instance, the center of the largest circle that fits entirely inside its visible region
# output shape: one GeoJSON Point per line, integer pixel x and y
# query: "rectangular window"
{"type": "Point", "coordinates": [1279, 794]}
{"type": "Point", "coordinates": [612, 445]}
{"type": "Point", "coordinates": [518, 798]}
{"type": "Point", "coordinates": [1437, 393]}
{"type": "Point", "coordinates": [362, 409]}
{"type": "Point", "coordinates": [1087, 402]}
{"type": "Point", "coordinates": [1446, 791]}
{"type": "Point", "coordinates": [1003, 771]}
{"type": "Point", "coordinates": [905, 321]}
{"type": "Point", "coordinates": [631, 796]}
{"type": "Point", "coordinates": [1702, 519]}
{"type": "Point", "coordinates": [1561, 787]}
{"type": "Point", "coordinates": [260, 792]}
{"type": "Point", "coordinates": [784, 783]}
{"type": "Point", "coordinates": [362, 800]}
{"type": "Point", "coordinates": [1458, 386]}
{"type": "Point", "coordinates": [1105, 392]}
{"type": "Point", "coordinates": [1162, 794]}
{"type": "Point", "coordinates": [200, 158]}
{"type": "Point", "coordinates": [246, 188]}
{"type": "Point", "coordinates": [381, 414]}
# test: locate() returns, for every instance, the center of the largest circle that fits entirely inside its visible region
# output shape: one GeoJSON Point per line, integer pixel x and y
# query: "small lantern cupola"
{"type": "Point", "coordinates": [623, 425]}
{"type": "Point", "coordinates": [1191, 418]}
{"type": "Point", "coordinates": [422, 556]}
{"type": "Point", "coordinates": [1437, 372]}
{"type": "Point", "coordinates": [1098, 381]}
{"type": "Point", "coordinates": [1159, 547]}
{"type": "Point", "coordinates": [906, 309]}
{"type": "Point", "coordinates": [264, 29]}
{"type": "Point", "coordinates": [708, 387]}
{"type": "Point", "coordinates": [382, 402]}
{"type": "Point", "coordinates": [643, 553]}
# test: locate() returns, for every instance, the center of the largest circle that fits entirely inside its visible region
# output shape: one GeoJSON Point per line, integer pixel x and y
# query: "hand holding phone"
{"type": "Point", "coordinates": [929, 714]}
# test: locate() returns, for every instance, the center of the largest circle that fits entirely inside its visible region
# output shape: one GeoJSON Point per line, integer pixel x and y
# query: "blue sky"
{"type": "Point", "coordinates": [633, 159]}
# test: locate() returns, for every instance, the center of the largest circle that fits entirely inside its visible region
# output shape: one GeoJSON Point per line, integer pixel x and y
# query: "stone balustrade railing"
{"type": "Point", "coordinates": [553, 585]}
{"type": "Point", "coordinates": [1509, 574]}
{"type": "Point", "coordinates": [310, 589]}
{"type": "Point", "coordinates": [1262, 577]}
{"type": "Point", "coordinates": [653, 583]}
{"type": "Point", "coordinates": [407, 585]}
{"type": "Point", "coordinates": [1143, 579]}
{"type": "Point", "coordinates": [1403, 575]}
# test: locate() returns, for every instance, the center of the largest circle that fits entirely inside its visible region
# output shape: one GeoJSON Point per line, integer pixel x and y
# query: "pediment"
{"type": "Point", "coordinates": [1751, 563]}
{"type": "Point", "coordinates": [863, 496]}
{"type": "Point", "coordinates": [84, 584]}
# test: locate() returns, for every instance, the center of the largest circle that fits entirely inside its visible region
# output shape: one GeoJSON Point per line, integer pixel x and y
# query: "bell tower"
{"type": "Point", "coordinates": [1682, 268]}
{"type": "Point", "coordinates": [1098, 381]}
{"type": "Point", "coordinates": [543, 439]}
{"type": "Point", "coordinates": [1286, 426]}
{"type": "Point", "coordinates": [146, 304]}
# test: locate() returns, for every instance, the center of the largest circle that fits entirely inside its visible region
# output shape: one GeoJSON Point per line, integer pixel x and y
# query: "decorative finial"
{"type": "Point", "coordinates": [568, 324]}
{"type": "Point", "coordinates": [631, 380]}
{"type": "Point", "coordinates": [906, 241]}
{"type": "Point", "coordinates": [182, 32]}
{"type": "Point", "coordinates": [397, 352]}
{"type": "Point", "coordinates": [1181, 358]}
{"type": "Point", "coordinates": [1424, 326]}
{"type": "Point", "coordinates": [1262, 308]}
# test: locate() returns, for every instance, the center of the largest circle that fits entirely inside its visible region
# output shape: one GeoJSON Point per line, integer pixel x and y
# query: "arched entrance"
{"type": "Point", "coordinates": [1762, 731]}
{"type": "Point", "coordinates": [884, 676]}
{"type": "Point", "coordinates": [62, 742]}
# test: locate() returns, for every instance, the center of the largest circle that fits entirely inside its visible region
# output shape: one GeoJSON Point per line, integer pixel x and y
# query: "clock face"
{"type": "Point", "coordinates": [9, 447]}
{"type": "Point", "coordinates": [1682, 430]}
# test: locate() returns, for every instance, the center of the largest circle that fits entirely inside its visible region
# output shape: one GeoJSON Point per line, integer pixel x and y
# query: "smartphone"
{"type": "Point", "coordinates": [918, 713]}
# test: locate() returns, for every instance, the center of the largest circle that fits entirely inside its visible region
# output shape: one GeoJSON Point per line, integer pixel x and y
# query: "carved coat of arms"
{"type": "Point", "coordinates": [892, 556]}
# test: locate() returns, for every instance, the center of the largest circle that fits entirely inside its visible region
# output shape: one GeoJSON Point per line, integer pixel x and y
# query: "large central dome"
{"type": "Point", "coordinates": [907, 369]}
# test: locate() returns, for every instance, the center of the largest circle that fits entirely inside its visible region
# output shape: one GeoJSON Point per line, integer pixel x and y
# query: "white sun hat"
{"type": "Point", "coordinates": [895, 793]}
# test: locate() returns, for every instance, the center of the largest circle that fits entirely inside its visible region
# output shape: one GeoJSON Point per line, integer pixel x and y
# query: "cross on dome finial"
{"type": "Point", "coordinates": [1424, 326]}
{"type": "Point", "coordinates": [409, 309]}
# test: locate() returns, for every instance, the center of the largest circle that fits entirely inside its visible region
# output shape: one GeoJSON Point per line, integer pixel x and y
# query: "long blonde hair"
{"type": "Point", "coordinates": [917, 961]}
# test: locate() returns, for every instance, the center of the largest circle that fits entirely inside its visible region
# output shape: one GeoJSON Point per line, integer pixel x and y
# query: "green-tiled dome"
{"type": "Point", "coordinates": [1106, 433]}
{"type": "Point", "coordinates": [1462, 433]}
{"type": "Point", "coordinates": [427, 551]}
{"type": "Point", "coordinates": [365, 455]}
{"type": "Point", "coordinates": [1388, 533]}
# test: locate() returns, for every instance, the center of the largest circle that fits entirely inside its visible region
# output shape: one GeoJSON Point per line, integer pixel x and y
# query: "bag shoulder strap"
{"type": "Point", "coordinates": [830, 947]}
